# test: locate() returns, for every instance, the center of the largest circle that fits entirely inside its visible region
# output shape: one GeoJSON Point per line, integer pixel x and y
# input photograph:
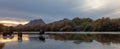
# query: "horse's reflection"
{"type": "Point", "coordinates": [20, 37]}
{"type": "Point", "coordinates": [8, 35]}
{"type": "Point", "coordinates": [11, 36]}
{"type": "Point", "coordinates": [42, 38]}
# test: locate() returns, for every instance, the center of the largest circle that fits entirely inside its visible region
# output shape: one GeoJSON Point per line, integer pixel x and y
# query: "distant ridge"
{"type": "Point", "coordinates": [36, 22]}
{"type": "Point", "coordinates": [41, 22]}
{"type": "Point", "coordinates": [64, 20]}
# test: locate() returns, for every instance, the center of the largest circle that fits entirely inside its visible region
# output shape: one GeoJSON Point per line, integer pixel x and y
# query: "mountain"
{"type": "Point", "coordinates": [36, 22]}
{"type": "Point", "coordinates": [41, 22]}
{"type": "Point", "coordinates": [64, 20]}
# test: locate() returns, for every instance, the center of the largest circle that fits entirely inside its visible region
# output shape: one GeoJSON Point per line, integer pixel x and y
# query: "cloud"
{"type": "Point", "coordinates": [53, 10]}
{"type": "Point", "coordinates": [114, 14]}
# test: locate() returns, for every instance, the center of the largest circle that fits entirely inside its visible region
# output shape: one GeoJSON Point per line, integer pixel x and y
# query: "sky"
{"type": "Point", "coordinates": [22, 11]}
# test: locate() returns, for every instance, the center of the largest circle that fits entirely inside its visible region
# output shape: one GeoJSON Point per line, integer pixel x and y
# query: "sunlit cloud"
{"type": "Point", "coordinates": [114, 14]}
{"type": "Point", "coordinates": [94, 4]}
{"type": "Point", "coordinates": [12, 23]}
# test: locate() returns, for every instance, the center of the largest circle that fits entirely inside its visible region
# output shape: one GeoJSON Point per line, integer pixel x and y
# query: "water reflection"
{"type": "Point", "coordinates": [39, 38]}
{"type": "Point", "coordinates": [76, 38]}
{"type": "Point", "coordinates": [108, 38]}
{"type": "Point", "coordinates": [13, 38]}
{"type": "Point", "coordinates": [37, 41]}
{"type": "Point", "coordinates": [2, 45]}
{"type": "Point", "coordinates": [42, 38]}
{"type": "Point", "coordinates": [79, 38]}
{"type": "Point", "coordinates": [20, 37]}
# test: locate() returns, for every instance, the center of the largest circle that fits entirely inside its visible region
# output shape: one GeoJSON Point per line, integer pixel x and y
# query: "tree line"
{"type": "Point", "coordinates": [76, 24]}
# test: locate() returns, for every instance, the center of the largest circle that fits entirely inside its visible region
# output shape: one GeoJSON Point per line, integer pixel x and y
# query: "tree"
{"type": "Point", "coordinates": [106, 24]}
{"type": "Point", "coordinates": [82, 24]}
{"type": "Point", "coordinates": [1, 27]}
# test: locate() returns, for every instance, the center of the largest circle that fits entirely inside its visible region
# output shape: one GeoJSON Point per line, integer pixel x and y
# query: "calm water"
{"type": "Point", "coordinates": [61, 41]}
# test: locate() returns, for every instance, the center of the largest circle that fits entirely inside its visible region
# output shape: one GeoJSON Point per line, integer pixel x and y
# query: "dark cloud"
{"type": "Point", "coordinates": [52, 10]}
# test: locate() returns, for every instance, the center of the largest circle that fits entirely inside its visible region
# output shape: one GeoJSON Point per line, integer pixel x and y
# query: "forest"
{"type": "Point", "coordinates": [76, 24]}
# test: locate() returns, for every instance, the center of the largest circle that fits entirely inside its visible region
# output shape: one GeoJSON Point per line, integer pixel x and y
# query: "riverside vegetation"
{"type": "Point", "coordinates": [76, 24]}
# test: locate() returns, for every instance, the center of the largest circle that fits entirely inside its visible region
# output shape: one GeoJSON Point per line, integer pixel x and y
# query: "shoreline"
{"type": "Point", "coordinates": [74, 32]}
{"type": "Point", "coordinates": [68, 32]}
